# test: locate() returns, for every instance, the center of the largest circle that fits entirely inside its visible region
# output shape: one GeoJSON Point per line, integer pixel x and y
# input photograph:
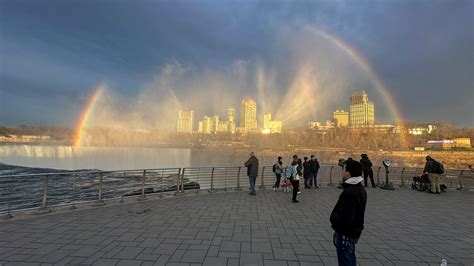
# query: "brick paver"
{"type": "Point", "coordinates": [403, 227]}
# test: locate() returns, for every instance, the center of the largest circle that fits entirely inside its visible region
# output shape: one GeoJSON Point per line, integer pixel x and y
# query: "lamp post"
{"type": "Point", "coordinates": [387, 185]}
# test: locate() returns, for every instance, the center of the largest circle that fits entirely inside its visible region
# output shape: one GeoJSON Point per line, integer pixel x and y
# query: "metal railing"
{"type": "Point", "coordinates": [45, 190]}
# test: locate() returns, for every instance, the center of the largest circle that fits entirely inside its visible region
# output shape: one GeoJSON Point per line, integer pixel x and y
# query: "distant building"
{"type": "Point", "coordinates": [422, 129]}
{"type": "Point", "coordinates": [270, 126]}
{"type": "Point", "coordinates": [206, 125]}
{"type": "Point", "coordinates": [223, 126]}
{"type": "Point", "coordinates": [361, 111]}
{"type": "Point", "coordinates": [214, 124]}
{"type": "Point", "coordinates": [341, 118]}
{"type": "Point", "coordinates": [231, 117]}
{"type": "Point", "coordinates": [185, 121]}
{"type": "Point", "coordinates": [248, 115]}
{"type": "Point", "coordinates": [450, 143]}
{"type": "Point", "coordinates": [320, 127]}
{"type": "Point", "coordinates": [200, 128]}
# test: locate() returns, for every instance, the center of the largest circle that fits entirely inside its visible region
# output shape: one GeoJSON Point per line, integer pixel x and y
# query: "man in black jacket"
{"type": "Point", "coordinates": [367, 168]}
{"type": "Point", "coordinates": [252, 171]}
{"type": "Point", "coordinates": [347, 218]}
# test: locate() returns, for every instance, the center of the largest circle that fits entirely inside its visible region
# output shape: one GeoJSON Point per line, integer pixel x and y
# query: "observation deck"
{"type": "Point", "coordinates": [161, 217]}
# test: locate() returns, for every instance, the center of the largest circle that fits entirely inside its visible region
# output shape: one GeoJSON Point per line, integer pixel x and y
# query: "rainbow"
{"type": "Point", "coordinates": [364, 64]}
{"type": "Point", "coordinates": [85, 114]}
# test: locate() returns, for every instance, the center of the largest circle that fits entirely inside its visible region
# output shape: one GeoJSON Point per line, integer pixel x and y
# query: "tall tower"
{"type": "Point", "coordinates": [185, 121]}
{"type": "Point", "coordinates": [248, 115]}
{"type": "Point", "coordinates": [361, 111]}
{"type": "Point", "coordinates": [231, 117]}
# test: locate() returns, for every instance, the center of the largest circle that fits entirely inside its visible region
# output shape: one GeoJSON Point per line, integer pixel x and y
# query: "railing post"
{"type": "Point", "coordinates": [44, 202]}
{"type": "Point", "coordinates": [212, 180]}
{"type": "Point", "coordinates": [238, 180]}
{"type": "Point", "coordinates": [99, 196]}
{"type": "Point", "coordinates": [262, 186]}
{"type": "Point", "coordinates": [142, 197]}
{"type": "Point", "coordinates": [330, 176]}
{"type": "Point", "coordinates": [402, 183]}
{"type": "Point", "coordinates": [225, 179]}
{"type": "Point", "coordinates": [182, 180]}
{"type": "Point", "coordinates": [460, 183]}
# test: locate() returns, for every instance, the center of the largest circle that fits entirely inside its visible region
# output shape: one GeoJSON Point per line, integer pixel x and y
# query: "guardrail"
{"type": "Point", "coordinates": [45, 190]}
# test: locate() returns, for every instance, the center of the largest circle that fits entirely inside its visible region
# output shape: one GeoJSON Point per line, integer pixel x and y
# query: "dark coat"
{"type": "Point", "coordinates": [252, 166]}
{"type": "Point", "coordinates": [347, 218]}
{"type": "Point", "coordinates": [314, 166]}
{"type": "Point", "coordinates": [429, 166]}
{"type": "Point", "coordinates": [306, 169]}
{"type": "Point", "coordinates": [366, 164]}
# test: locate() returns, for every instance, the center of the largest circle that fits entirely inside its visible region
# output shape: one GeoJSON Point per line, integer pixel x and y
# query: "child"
{"type": "Point", "coordinates": [286, 185]}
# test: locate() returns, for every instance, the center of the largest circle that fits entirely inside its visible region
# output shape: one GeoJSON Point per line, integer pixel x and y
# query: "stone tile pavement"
{"type": "Point", "coordinates": [403, 227]}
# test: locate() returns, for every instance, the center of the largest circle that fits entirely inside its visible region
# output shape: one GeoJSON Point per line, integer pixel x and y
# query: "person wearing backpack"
{"type": "Point", "coordinates": [292, 174]}
{"type": "Point", "coordinates": [434, 170]}
{"type": "Point", "coordinates": [277, 170]}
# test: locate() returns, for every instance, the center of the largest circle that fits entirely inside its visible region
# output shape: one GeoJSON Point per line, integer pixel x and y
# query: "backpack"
{"type": "Point", "coordinates": [438, 167]}
{"type": "Point", "coordinates": [290, 171]}
{"type": "Point", "coordinates": [274, 168]}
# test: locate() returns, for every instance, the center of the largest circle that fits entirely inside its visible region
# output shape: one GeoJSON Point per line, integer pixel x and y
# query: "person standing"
{"type": "Point", "coordinates": [252, 172]}
{"type": "Point", "coordinates": [314, 166]}
{"type": "Point", "coordinates": [367, 168]}
{"type": "Point", "coordinates": [347, 217]}
{"type": "Point", "coordinates": [306, 173]}
{"type": "Point", "coordinates": [292, 175]}
{"type": "Point", "coordinates": [434, 170]}
{"type": "Point", "coordinates": [277, 169]}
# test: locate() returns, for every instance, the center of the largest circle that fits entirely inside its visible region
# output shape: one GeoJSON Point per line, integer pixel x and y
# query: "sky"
{"type": "Point", "coordinates": [155, 57]}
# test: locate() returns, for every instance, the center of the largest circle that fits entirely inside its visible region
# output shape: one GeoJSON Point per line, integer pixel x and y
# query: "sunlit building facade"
{"type": "Point", "coordinates": [231, 117]}
{"type": "Point", "coordinates": [185, 121]}
{"type": "Point", "coordinates": [248, 115]}
{"type": "Point", "coordinates": [270, 126]}
{"type": "Point", "coordinates": [341, 118]}
{"type": "Point", "coordinates": [214, 124]}
{"type": "Point", "coordinates": [361, 111]}
{"type": "Point", "coordinates": [206, 125]}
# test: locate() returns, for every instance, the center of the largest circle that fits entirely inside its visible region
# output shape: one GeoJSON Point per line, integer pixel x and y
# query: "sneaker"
{"type": "Point", "coordinates": [299, 192]}
{"type": "Point", "coordinates": [296, 201]}
{"type": "Point", "coordinates": [274, 189]}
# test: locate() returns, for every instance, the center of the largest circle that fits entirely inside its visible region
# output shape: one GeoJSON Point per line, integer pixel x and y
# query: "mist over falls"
{"type": "Point", "coordinates": [307, 78]}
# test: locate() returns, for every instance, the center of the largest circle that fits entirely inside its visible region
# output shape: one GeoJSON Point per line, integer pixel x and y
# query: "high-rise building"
{"type": "Point", "coordinates": [341, 118]}
{"type": "Point", "coordinates": [270, 126]}
{"type": "Point", "coordinates": [361, 111]}
{"type": "Point", "coordinates": [214, 124]}
{"type": "Point", "coordinates": [267, 118]}
{"type": "Point", "coordinates": [206, 125]}
{"type": "Point", "coordinates": [248, 115]}
{"type": "Point", "coordinates": [185, 121]}
{"type": "Point", "coordinates": [231, 117]}
{"type": "Point", "coordinates": [200, 128]}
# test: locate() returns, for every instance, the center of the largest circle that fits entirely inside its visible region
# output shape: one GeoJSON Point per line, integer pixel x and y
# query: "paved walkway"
{"type": "Point", "coordinates": [403, 227]}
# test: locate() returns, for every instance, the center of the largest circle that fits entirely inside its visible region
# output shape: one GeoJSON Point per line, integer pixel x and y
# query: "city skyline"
{"type": "Point", "coordinates": [361, 113]}
{"type": "Point", "coordinates": [312, 54]}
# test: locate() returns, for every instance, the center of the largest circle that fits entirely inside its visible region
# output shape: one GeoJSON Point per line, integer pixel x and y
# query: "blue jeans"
{"type": "Point", "coordinates": [310, 179]}
{"type": "Point", "coordinates": [252, 181]}
{"type": "Point", "coordinates": [345, 254]}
